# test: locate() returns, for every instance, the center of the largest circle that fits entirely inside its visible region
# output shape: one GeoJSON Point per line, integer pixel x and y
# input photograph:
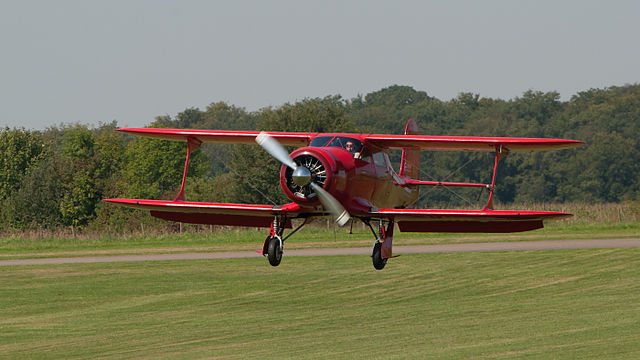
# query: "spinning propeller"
{"type": "Point", "coordinates": [302, 176]}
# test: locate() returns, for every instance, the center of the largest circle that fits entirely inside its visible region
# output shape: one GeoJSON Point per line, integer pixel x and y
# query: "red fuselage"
{"type": "Point", "coordinates": [362, 182]}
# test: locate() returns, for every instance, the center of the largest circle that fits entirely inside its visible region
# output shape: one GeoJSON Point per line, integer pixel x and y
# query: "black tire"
{"type": "Point", "coordinates": [376, 256]}
{"type": "Point", "coordinates": [274, 252]}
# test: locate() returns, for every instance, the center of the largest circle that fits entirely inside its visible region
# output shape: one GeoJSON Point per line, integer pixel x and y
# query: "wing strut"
{"type": "Point", "coordinates": [192, 145]}
{"type": "Point", "coordinates": [500, 153]}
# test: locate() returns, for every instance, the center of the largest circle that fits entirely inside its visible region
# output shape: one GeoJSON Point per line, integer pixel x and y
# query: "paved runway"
{"type": "Point", "coordinates": [397, 250]}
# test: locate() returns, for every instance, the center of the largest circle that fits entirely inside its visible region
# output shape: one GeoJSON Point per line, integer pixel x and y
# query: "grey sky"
{"type": "Point", "coordinates": [98, 61]}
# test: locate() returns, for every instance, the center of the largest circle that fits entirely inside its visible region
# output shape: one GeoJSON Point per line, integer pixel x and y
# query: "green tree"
{"type": "Point", "coordinates": [387, 110]}
{"type": "Point", "coordinates": [19, 149]}
{"type": "Point", "coordinates": [36, 204]}
{"type": "Point", "coordinates": [81, 193]}
{"type": "Point", "coordinates": [309, 115]}
{"type": "Point", "coordinates": [222, 116]}
{"type": "Point", "coordinates": [609, 169]}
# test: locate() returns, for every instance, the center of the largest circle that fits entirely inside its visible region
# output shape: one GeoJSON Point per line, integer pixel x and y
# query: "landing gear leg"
{"type": "Point", "coordinates": [382, 246]}
{"type": "Point", "coordinates": [274, 243]}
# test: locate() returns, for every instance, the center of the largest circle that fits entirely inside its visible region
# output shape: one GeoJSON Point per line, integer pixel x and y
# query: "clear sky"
{"type": "Point", "coordinates": [96, 61]}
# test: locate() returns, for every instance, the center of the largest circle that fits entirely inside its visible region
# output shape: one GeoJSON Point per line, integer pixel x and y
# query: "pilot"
{"type": "Point", "coordinates": [350, 147]}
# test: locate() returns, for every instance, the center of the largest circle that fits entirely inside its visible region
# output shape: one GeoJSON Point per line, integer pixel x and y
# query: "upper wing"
{"type": "Point", "coordinates": [381, 140]}
{"type": "Point", "coordinates": [470, 142]}
{"type": "Point", "coordinates": [221, 136]}
{"type": "Point", "coordinates": [489, 221]}
{"type": "Point", "coordinates": [212, 213]}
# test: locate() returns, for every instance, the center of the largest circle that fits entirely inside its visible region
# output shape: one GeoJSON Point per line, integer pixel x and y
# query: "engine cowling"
{"type": "Point", "coordinates": [321, 171]}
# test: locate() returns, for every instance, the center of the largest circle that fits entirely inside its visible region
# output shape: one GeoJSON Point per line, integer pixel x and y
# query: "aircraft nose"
{"type": "Point", "coordinates": [301, 176]}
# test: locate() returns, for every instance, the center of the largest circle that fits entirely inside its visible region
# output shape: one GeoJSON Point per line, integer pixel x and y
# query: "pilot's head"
{"type": "Point", "coordinates": [349, 147]}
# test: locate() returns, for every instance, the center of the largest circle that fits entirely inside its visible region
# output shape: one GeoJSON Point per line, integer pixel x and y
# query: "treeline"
{"type": "Point", "coordinates": [57, 177]}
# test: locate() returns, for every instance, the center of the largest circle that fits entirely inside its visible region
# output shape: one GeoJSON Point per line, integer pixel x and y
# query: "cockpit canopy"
{"type": "Point", "coordinates": [348, 143]}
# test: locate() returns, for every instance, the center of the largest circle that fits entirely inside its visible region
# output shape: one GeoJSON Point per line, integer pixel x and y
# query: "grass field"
{"type": "Point", "coordinates": [536, 304]}
{"type": "Point", "coordinates": [543, 304]}
{"type": "Point", "coordinates": [309, 237]}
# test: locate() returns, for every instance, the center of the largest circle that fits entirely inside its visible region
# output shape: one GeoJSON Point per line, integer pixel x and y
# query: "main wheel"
{"type": "Point", "coordinates": [376, 256]}
{"type": "Point", "coordinates": [274, 252]}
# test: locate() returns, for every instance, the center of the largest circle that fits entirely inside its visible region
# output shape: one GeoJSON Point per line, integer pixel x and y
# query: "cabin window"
{"type": "Point", "coordinates": [378, 159]}
{"type": "Point", "coordinates": [320, 141]}
{"type": "Point", "coordinates": [352, 145]}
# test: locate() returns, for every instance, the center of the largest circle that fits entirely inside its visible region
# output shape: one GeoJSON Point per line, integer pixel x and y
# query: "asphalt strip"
{"type": "Point", "coordinates": [397, 250]}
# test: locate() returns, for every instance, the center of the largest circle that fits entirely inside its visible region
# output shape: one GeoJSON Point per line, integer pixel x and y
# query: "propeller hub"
{"type": "Point", "coordinates": [301, 176]}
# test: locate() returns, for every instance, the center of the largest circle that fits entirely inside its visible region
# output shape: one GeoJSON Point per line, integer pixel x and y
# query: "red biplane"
{"type": "Point", "coordinates": [350, 176]}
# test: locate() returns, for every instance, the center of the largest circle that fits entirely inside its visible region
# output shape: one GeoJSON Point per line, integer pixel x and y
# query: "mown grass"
{"type": "Point", "coordinates": [310, 237]}
{"type": "Point", "coordinates": [313, 237]}
{"type": "Point", "coordinates": [542, 304]}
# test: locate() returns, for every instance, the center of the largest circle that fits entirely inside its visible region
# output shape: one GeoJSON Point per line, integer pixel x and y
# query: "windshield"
{"type": "Point", "coordinates": [345, 142]}
{"type": "Point", "coordinates": [350, 144]}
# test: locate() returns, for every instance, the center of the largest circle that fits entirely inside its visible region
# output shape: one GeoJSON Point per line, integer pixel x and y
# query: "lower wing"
{"type": "Point", "coordinates": [464, 221]}
{"type": "Point", "coordinates": [212, 213]}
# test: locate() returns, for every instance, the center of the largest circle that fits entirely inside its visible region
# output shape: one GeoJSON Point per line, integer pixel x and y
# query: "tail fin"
{"type": "Point", "coordinates": [410, 164]}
